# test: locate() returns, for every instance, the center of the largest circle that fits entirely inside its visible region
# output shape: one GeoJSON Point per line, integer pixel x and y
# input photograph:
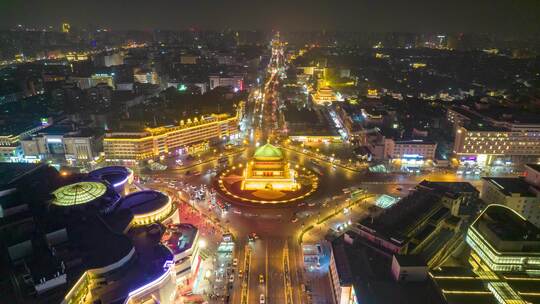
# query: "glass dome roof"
{"type": "Point", "coordinates": [79, 193]}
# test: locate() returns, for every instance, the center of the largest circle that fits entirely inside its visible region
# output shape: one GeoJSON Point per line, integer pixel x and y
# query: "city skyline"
{"type": "Point", "coordinates": [498, 17]}
{"type": "Point", "coordinates": [346, 153]}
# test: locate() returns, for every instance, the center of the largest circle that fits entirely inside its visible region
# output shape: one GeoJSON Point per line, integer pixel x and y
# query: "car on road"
{"type": "Point", "coordinates": [235, 262]}
{"type": "Point", "coordinates": [261, 299]}
{"type": "Point", "coordinates": [197, 173]}
{"type": "Point", "coordinates": [231, 278]}
{"type": "Point", "coordinates": [301, 204]}
{"type": "Point", "coordinates": [240, 273]}
{"type": "Point", "coordinates": [294, 220]}
{"type": "Point", "coordinates": [399, 189]}
{"type": "Point", "coordinates": [261, 279]}
{"type": "Point", "coordinates": [311, 204]}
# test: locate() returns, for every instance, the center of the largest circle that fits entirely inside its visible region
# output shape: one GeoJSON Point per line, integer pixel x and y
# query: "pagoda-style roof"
{"type": "Point", "coordinates": [268, 152]}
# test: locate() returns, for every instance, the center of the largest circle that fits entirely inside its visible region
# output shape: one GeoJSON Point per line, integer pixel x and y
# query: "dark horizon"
{"type": "Point", "coordinates": [501, 17]}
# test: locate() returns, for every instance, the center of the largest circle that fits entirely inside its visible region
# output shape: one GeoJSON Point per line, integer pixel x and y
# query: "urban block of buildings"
{"type": "Point", "coordinates": [81, 239]}
{"type": "Point", "coordinates": [191, 135]}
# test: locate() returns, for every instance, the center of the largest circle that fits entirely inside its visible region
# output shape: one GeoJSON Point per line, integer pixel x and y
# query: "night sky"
{"type": "Point", "coordinates": [495, 16]}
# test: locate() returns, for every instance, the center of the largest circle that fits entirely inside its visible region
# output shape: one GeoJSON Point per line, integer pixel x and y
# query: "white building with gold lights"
{"type": "Point", "coordinates": [153, 142]}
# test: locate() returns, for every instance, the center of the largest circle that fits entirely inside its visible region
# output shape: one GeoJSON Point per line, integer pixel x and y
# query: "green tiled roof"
{"type": "Point", "coordinates": [268, 151]}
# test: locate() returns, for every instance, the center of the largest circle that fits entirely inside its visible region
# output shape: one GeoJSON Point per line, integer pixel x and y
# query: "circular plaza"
{"type": "Point", "coordinates": [266, 179]}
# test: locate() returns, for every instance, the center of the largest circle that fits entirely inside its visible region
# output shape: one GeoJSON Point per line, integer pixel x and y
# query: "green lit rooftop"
{"type": "Point", "coordinates": [79, 193]}
{"type": "Point", "coordinates": [268, 151]}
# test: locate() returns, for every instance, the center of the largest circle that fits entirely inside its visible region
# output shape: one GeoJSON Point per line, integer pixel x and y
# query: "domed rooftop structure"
{"type": "Point", "coordinates": [150, 206]}
{"type": "Point", "coordinates": [268, 152]}
{"type": "Point", "coordinates": [117, 176]}
{"type": "Point", "coordinates": [79, 193]}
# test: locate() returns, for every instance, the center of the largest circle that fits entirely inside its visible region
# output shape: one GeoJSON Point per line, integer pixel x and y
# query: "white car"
{"type": "Point", "coordinates": [231, 278]}
{"type": "Point", "coordinates": [261, 299]}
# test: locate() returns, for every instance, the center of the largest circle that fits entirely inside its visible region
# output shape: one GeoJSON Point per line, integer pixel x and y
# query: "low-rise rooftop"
{"type": "Point", "coordinates": [513, 186]}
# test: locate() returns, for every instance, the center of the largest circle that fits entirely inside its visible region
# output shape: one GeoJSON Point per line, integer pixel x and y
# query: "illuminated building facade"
{"type": "Point", "coordinates": [505, 241]}
{"type": "Point", "coordinates": [142, 76]}
{"type": "Point", "coordinates": [66, 27]}
{"type": "Point", "coordinates": [88, 82]}
{"type": "Point", "coordinates": [162, 290]}
{"type": "Point", "coordinates": [268, 170]}
{"type": "Point", "coordinates": [152, 142]}
{"type": "Point", "coordinates": [341, 284]}
{"type": "Point", "coordinates": [183, 242]}
{"type": "Point", "coordinates": [236, 82]}
{"type": "Point", "coordinates": [503, 263]}
{"type": "Point", "coordinates": [73, 146]}
{"type": "Point", "coordinates": [486, 139]}
{"type": "Point", "coordinates": [497, 146]}
{"type": "Point", "coordinates": [372, 93]}
{"type": "Point", "coordinates": [413, 152]}
{"type": "Point", "coordinates": [149, 207]}
{"type": "Point", "coordinates": [10, 145]}
{"type": "Point", "coordinates": [324, 95]}
{"type": "Point", "coordinates": [76, 56]}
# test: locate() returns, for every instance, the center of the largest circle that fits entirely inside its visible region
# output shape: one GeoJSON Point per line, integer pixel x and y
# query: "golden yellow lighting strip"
{"type": "Point", "coordinates": [314, 187]}
{"type": "Point", "coordinates": [466, 292]}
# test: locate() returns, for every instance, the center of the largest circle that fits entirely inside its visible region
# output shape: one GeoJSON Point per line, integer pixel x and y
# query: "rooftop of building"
{"type": "Point", "coordinates": [410, 260]}
{"type": "Point", "coordinates": [415, 142]}
{"type": "Point", "coordinates": [295, 115]}
{"type": "Point", "coordinates": [395, 223]}
{"type": "Point", "coordinates": [513, 186]}
{"type": "Point", "coordinates": [535, 167]}
{"type": "Point", "coordinates": [143, 202]}
{"type": "Point", "coordinates": [483, 126]}
{"type": "Point", "coordinates": [455, 187]}
{"type": "Point", "coordinates": [78, 193]}
{"type": "Point", "coordinates": [268, 151]}
{"type": "Point", "coordinates": [369, 272]}
{"type": "Point", "coordinates": [11, 172]}
{"type": "Point", "coordinates": [508, 226]}
{"type": "Point", "coordinates": [112, 174]}
{"type": "Point", "coordinates": [16, 127]}
{"type": "Point", "coordinates": [179, 237]}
